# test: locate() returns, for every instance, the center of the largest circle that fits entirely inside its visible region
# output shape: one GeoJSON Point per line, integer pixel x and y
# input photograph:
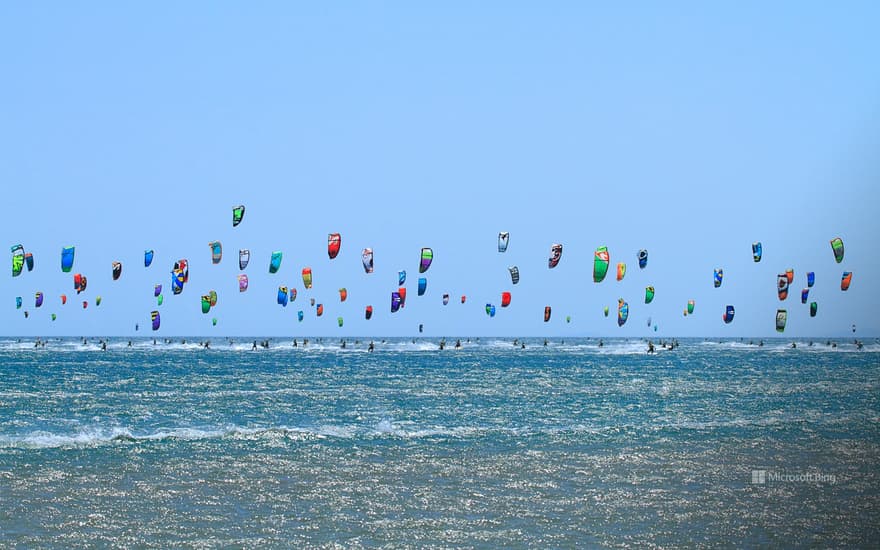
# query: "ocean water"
{"type": "Point", "coordinates": [573, 444]}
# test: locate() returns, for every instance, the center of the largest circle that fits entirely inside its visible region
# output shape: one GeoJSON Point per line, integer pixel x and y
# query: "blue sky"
{"type": "Point", "coordinates": [689, 129]}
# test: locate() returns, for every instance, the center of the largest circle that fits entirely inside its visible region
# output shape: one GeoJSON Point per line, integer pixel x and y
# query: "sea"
{"type": "Point", "coordinates": [496, 444]}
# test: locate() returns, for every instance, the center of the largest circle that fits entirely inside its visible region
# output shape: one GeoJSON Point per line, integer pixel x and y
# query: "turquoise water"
{"type": "Point", "coordinates": [572, 444]}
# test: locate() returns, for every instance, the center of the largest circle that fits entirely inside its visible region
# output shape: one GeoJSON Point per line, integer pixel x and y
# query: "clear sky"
{"type": "Point", "coordinates": [689, 129]}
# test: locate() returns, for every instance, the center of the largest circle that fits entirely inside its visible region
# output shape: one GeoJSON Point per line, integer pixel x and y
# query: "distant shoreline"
{"type": "Point", "coordinates": [159, 336]}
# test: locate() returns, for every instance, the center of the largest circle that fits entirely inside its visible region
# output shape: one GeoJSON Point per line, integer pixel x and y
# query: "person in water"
{"type": "Point", "coordinates": [370, 348]}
